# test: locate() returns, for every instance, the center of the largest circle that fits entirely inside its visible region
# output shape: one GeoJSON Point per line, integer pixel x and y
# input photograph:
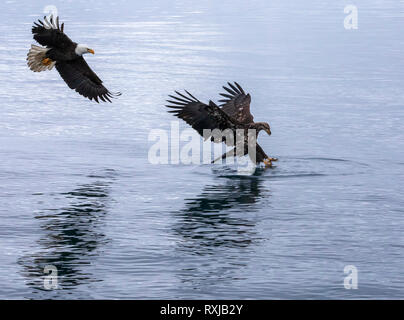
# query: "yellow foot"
{"type": "Point", "coordinates": [46, 62]}
{"type": "Point", "coordinates": [268, 161]}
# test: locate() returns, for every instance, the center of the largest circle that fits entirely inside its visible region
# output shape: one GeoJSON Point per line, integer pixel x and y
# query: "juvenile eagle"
{"type": "Point", "coordinates": [233, 114]}
{"type": "Point", "coordinates": [67, 57]}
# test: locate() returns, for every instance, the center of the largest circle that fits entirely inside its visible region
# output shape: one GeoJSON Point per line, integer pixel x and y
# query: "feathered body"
{"type": "Point", "coordinates": [233, 117]}
{"type": "Point", "coordinates": [67, 56]}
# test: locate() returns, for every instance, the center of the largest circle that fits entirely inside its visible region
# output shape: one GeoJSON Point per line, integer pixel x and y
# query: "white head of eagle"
{"type": "Point", "coordinates": [83, 49]}
{"type": "Point", "coordinates": [59, 51]}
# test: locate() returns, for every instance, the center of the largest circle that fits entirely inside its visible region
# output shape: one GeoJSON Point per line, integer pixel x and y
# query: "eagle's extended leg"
{"type": "Point", "coordinates": [261, 156]}
{"type": "Point", "coordinates": [230, 153]}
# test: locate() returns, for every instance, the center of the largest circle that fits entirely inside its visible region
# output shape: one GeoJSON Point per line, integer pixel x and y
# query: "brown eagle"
{"type": "Point", "coordinates": [233, 114]}
{"type": "Point", "coordinates": [67, 57]}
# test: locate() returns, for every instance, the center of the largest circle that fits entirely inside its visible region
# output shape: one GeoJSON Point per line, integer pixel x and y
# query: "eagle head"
{"type": "Point", "coordinates": [83, 49]}
{"type": "Point", "coordinates": [263, 126]}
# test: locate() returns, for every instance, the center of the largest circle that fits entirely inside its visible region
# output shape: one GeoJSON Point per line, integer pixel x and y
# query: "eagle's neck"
{"type": "Point", "coordinates": [255, 126]}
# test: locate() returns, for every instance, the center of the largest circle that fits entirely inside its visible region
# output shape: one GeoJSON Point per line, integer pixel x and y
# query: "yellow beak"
{"type": "Point", "coordinates": [90, 51]}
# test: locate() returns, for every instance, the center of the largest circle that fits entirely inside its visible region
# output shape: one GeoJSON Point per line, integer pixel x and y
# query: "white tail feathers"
{"type": "Point", "coordinates": [35, 57]}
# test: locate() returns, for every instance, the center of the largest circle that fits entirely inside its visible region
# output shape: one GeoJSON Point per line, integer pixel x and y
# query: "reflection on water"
{"type": "Point", "coordinates": [232, 192]}
{"type": "Point", "coordinates": [219, 223]}
{"type": "Point", "coordinates": [71, 236]}
{"type": "Point", "coordinates": [207, 220]}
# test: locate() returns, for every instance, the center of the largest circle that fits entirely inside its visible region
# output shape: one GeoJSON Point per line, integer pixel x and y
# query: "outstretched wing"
{"type": "Point", "coordinates": [78, 76]}
{"type": "Point", "coordinates": [237, 103]}
{"type": "Point", "coordinates": [200, 115]}
{"type": "Point", "coordinates": [50, 34]}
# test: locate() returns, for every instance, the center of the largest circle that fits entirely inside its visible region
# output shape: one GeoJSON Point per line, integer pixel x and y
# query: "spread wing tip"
{"type": "Point", "coordinates": [182, 99]}
{"type": "Point", "coordinates": [231, 91]}
{"type": "Point", "coordinates": [104, 97]}
{"type": "Point", "coordinates": [48, 23]}
{"type": "Point", "coordinates": [114, 95]}
{"type": "Point", "coordinates": [235, 89]}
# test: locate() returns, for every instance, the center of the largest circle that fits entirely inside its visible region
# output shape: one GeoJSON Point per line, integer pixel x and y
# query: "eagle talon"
{"type": "Point", "coordinates": [268, 162]}
{"type": "Point", "coordinates": [46, 62]}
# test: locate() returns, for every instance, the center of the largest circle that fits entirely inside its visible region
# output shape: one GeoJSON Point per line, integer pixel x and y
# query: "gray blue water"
{"type": "Point", "coordinates": [77, 190]}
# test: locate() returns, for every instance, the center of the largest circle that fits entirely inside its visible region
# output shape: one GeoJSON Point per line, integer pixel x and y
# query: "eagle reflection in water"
{"type": "Point", "coordinates": [219, 216]}
{"type": "Point", "coordinates": [71, 237]}
{"type": "Point", "coordinates": [216, 228]}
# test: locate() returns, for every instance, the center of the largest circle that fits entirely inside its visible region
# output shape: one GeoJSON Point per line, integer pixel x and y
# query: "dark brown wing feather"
{"type": "Point", "coordinates": [79, 76]}
{"type": "Point", "coordinates": [50, 34]}
{"type": "Point", "coordinates": [200, 115]}
{"type": "Point", "coordinates": [237, 103]}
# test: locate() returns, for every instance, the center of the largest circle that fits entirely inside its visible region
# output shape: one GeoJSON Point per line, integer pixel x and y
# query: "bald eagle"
{"type": "Point", "coordinates": [67, 57]}
{"type": "Point", "coordinates": [233, 114]}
